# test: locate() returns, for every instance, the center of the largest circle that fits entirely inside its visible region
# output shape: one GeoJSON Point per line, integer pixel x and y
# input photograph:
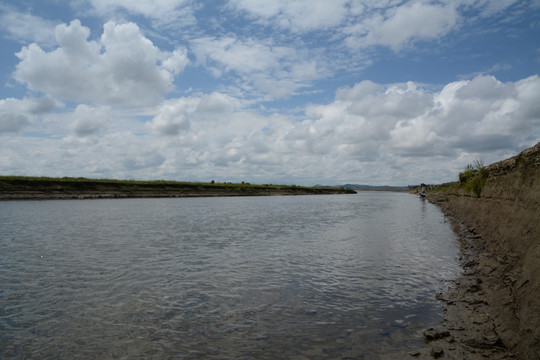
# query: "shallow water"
{"type": "Point", "coordinates": [344, 276]}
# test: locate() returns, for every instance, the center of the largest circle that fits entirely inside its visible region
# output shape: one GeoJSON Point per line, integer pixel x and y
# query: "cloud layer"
{"type": "Point", "coordinates": [282, 98]}
{"type": "Point", "coordinates": [402, 126]}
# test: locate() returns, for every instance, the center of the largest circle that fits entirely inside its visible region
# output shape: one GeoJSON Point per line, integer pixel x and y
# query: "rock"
{"type": "Point", "coordinates": [435, 334]}
{"type": "Point", "coordinates": [437, 351]}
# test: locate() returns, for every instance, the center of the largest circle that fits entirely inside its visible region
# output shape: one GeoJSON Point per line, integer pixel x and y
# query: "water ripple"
{"type": "Point", "coordinates": [277, 277]}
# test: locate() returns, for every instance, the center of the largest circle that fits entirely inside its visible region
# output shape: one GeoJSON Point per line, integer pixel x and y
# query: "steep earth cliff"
{"type": "Point", "coordinates": [494, 310]}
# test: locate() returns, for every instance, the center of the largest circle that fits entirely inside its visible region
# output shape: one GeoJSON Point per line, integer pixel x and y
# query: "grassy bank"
{"type": "Point", "coordinates": [20, 188]}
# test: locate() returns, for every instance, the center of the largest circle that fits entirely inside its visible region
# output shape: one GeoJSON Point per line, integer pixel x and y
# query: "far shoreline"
{"type": "Point", "coordinates": [30, 188]}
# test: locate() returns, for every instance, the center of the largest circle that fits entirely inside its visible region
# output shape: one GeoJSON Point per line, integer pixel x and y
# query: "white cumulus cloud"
{"type": "Point", "coordinates": [295, 15]}
{"type": "Point", "coordinates": [162, 12]}
{"type": "Point", "coordinates": [396, 133]}
{"type": "Point", "coordinates": [402, 133]}
{"type": "Point", "coordinates": [399, 26]}
{"type": "Point", "coordinates": [123, 67]}
{"type": "Point", "coordinates": [89, 120]}
{"type": "Point", "coordinates": [16, 114]}
{"type": "Point", "coordinates": [25, 27]}
{"type": "Point", "coordinates": [173, 116]}
{"type": "Point", "coordinates": [259, 64]}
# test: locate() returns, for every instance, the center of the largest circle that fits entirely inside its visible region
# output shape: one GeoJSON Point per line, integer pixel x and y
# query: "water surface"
{"type": "Point", "coordinates": [334, 276]}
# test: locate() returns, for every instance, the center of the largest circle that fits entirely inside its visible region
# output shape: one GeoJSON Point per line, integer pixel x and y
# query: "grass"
{"type": "Point", "coordinates": [445, 187]}
{"type": "Point", "coordinates": [473, 178]}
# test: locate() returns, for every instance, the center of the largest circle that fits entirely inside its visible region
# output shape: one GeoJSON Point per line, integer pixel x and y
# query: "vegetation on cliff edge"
{"type": "Point", "coordinates": [473, 179]}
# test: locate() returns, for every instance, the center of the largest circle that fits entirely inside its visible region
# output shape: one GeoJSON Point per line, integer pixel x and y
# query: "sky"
{"type": "Point", "coordinates": [306, 92]}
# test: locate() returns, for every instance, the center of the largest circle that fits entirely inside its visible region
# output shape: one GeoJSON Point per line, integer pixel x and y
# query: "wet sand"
{"type": "Point", "coordinates": [470, 325]}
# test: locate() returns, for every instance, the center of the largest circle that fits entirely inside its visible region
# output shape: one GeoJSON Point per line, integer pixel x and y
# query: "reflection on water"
{"type": "Point", "coordinates": [347, 276]}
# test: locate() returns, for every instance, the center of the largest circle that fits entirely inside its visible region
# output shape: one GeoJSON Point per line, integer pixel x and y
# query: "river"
{"type": "Point", "coordinates": [281, 277]}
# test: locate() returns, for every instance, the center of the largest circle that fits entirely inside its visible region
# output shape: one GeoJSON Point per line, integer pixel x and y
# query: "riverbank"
{"type": "Point", "coordinates": [22, 188]}
{"type": "Point", "coordinates": [494, 309]}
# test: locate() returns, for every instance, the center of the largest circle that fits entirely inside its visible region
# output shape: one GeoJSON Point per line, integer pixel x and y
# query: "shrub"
{"type": "Point", "coordinates": [474, 177]}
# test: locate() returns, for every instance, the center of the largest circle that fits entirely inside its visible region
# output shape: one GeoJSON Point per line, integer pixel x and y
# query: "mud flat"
{"type": "Point", "coordinates": [21, 188]}
{"type": "Point", "coordinates": [493, 312]}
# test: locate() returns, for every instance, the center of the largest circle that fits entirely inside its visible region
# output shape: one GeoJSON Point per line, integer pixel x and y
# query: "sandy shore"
{"type": "Point", "coordinates": [493, 311]}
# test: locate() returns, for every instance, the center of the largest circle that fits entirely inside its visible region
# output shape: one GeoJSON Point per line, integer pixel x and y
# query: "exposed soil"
{"type": "Point", "coordinates": [493, 312]}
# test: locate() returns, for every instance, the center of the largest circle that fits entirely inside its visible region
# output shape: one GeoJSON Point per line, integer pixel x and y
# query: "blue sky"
{"type": "Point", "coordinates": [279, 91]}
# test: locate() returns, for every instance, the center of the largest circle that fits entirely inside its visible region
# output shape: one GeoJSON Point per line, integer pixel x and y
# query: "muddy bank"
{"type": "Point", "coordinates": [494, 310]}
{"type": "Point", "coordinates": [47, 189]}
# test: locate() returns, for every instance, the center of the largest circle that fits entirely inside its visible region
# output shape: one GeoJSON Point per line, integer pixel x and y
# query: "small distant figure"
{"type": "Point", "coordinates": [423, 192]}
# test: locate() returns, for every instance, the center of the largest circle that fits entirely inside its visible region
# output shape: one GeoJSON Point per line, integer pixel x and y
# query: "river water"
{"type": "Point", "coordinates": [292, 277]}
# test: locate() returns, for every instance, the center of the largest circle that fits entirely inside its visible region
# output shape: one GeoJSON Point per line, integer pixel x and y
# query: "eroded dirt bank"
{"type": "Point", "coordinates": [494, 310]}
